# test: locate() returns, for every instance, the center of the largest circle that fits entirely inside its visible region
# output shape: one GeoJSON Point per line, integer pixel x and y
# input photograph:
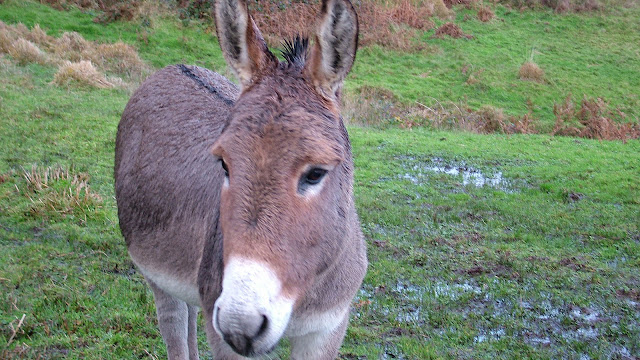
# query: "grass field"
{"type": "Point", "coordinates": [480, 246]}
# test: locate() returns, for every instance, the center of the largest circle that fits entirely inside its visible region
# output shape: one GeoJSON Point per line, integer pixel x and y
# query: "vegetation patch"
{"type": "Point", "coordinates": [24, 51]}
{"type": "Point", "coordinates": [75, 56]}
{"type": "Point", "coordinates": [531, 71]}
{"type": "Point", "coordinates": [82, 73]}
{"type": "Point", "coordinates": [480, 246]}
{"type": "Point", "coordinates": [485, 14]}
{"type": "Point", "coordinates": [57, 192]}
{"type": "Point", "coordinates": [452, 30]}
{"type": "Point", "coordinates": [379, 107]}
{"type": "Point", "coordinates": [594, 120]}
{"type": "Point", "coordinates": [559, 6]}
{"type": "Point", "coordinates": [394, 24]}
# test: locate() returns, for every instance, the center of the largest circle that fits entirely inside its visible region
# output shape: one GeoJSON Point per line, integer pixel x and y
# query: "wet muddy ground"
{"type": "Point", "coordinates": [450, 268]}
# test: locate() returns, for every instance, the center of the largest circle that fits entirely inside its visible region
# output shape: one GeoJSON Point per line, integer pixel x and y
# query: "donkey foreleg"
{"type": "Point", "coordinates": [192, 328]}
{"type": "Point", "coordinates": [178, 325]}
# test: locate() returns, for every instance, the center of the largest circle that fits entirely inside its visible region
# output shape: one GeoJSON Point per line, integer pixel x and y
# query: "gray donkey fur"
{"type": "Point", "coordinates": [239, 202]}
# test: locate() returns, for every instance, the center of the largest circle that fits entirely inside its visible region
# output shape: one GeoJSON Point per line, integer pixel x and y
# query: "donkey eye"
{"type": "Point", "coordinates": [314, 176]}
{"type": "Point", "coordinates": [224, 167]}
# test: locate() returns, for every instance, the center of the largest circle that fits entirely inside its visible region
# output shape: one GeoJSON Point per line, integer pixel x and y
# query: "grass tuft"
{"type": "Point", "coordinates": [82, 73]}
{"type": "Point", "coordinates": [78, 59]}
{"type": "Point", "coordinates": [25, 52]}
{"type": "Point", "coordinates": [531, 71]}
{"type": "Point", "coordinates": [119, 58]}
{"type": "Point", "coordinates": [58, 191]}
{"type": "Point", "coordinates": [70, 46]}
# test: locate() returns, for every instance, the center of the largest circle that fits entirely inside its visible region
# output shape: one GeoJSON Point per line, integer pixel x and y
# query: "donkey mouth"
{"type": "Point", "coordinates": [246, 348]}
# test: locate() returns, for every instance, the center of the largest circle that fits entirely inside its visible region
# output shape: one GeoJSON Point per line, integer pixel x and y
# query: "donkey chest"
{"type": "Point", "coordinates": [316, 322]}
{"type": "Point", "coordinates": [181, 286]}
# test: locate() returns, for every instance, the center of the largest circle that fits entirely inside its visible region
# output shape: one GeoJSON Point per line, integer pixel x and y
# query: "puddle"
{"type": "Point", "coordinates": [588, 316]}
{"type": "Point", "coordinates": [454, 291]}
{"type": "Point", "coordinates": [391, 352]}
{"type": "Point", "coordinates": [539, 341]}
{"type": "Point", "coordinates": [437, 290]}
{"type": "Point", "coordinates": [413, 315]}
{"type": "Point", "coordinates": [491, 335]}
{"type": "Point", "coordinates": [468, 175]}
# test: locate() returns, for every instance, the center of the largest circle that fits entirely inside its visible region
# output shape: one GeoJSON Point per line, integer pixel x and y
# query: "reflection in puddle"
{"type": "Point", "coordinates": [469, 175]}
{"type": "Point", "coordinates": [490, 335]}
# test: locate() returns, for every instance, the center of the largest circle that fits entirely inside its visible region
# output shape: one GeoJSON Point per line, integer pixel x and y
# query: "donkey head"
{"type": "Point", "coordinates": [287, 194]}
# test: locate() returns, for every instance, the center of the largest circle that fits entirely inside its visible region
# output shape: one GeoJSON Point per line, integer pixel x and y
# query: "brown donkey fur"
{"type": "Point", "coordinates": [240, 202]}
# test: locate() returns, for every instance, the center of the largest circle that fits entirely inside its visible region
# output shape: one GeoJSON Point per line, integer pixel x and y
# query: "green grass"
{"type": "Point", "coordinates": [582, 54]}
{"type": "Point", "coordinates": [543, 265]}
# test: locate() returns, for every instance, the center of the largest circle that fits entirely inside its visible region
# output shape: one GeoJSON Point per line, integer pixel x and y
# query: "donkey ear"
{"type": "Point", "coordinates": [336, 42]}
{"type": "Point", "coordinates": [242, 43]}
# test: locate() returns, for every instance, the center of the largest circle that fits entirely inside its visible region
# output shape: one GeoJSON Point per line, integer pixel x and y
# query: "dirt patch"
{"type": "Point", "coordinates": [632, 294]}
{"type": "Point", "coordinates": [452, 30]}
{"type": "Point", "coordinates": [575, 263]}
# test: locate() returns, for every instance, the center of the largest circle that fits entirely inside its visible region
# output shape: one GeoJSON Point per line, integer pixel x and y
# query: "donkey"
{"type": "Point", "coordinates": [240, 201]}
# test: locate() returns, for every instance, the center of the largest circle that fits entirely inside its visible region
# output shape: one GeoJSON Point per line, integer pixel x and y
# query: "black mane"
{"type": "Point", "coordinates": [295, 51]}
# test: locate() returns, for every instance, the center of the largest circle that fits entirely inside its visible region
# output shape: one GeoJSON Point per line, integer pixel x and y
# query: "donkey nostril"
{"type": "Point", "coordinates": [263, 328]}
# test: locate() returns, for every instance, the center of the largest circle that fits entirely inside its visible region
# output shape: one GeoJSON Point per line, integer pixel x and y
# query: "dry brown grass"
{"type": "Point", "coordinates": [70, 46]}
{"type": "Point", "coordinates": [451, 3]}
{"type": "Point", "coordinates": [395, 25]}
{"type": "Point", "coordinates": [485, 14]}
{"type": "Point", "coordinates": [593, 120]}
{"type": "Point", "coordinates": [58, 191]}
{"type": "Point", "coordinates": [370, 105]}
{"type": "Point", "coordinates": [81, 73]}
{"type": "Point", "coordinates": [79, 60]}
{"type": "Point", "coordinates": [559, 6]}
{"type": "Point", "coordinates": [380, 107]}
{"type": "Point", "coordinates": [119, 58]}
{"type": "Point", "coordinates": [451, 29]}
{"type": "Point", "coordinates": [392, 24]}
{"type": "Point", "coordinates": [531, 71]}
{"type": "Point", "coordinates": [25, 52]}
{"type": "Point", "coordinates": [39, 36]}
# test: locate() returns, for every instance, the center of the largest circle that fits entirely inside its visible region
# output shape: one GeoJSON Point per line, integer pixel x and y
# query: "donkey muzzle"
{"type": "Point", "coordinates": [251, 314]}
